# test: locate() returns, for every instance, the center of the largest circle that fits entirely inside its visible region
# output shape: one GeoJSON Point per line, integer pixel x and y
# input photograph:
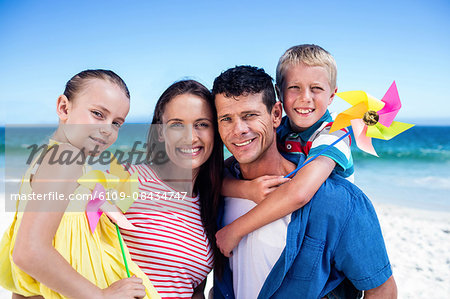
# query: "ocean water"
{"type": "Point", "coordinates": [412, 169]}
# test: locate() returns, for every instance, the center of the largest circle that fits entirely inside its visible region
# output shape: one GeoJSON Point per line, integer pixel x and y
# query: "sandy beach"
{"type": "Point", "coordinates": [418, 243]}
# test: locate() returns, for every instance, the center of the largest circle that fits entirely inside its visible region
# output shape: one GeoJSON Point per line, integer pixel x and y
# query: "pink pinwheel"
{"type": "Point", "coordinates": [94, 210]}
{"type": "Point", "coordinates": [367, 118]}
{"type": "Point", "coordinates": [370, 117]}
{"type": "Point", "coordinates": [121, 184]}
{"type": "Point", "coordinates": [98, 205]}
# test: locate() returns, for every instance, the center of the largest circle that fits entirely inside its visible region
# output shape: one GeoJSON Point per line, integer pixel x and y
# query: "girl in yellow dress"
{"type": "Point", "coordinates": [49, 250]}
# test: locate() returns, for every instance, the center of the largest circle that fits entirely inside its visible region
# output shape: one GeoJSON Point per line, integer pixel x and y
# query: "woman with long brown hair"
{"type": "Point", "coordinates": [174, 242]}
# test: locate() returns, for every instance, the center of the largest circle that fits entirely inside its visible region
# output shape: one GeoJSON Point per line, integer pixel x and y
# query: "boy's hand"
{"type": "Point", "coordinates": [261, 187]}
{"type": "Point", "coordinates": [227, 239]}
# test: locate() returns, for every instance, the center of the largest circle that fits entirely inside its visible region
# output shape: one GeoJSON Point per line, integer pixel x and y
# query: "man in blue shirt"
{"type": "Point", "coordinates": [334, 238]}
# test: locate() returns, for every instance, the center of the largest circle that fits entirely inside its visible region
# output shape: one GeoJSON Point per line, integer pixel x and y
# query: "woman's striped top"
{"type": "Point", "coordinates": [170, 245]}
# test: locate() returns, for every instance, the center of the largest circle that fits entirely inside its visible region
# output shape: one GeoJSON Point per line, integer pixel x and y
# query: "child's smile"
{"type": "Point", "coordinates": [91, 120]}
{"type": "Point", "coordinates": [306, 94]}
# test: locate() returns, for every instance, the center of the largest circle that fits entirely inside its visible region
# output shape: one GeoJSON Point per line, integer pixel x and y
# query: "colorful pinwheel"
{"type": "Point", "coordinates": [371, 118]}
{"type": "Point", "coordinates": [99, 205]}
{"type": "Point", "coordinates": [118, 185]}
{"type": "Point", "coordinates": [367, 118]}
{"type": "Point", "coordinates": [128, 185]}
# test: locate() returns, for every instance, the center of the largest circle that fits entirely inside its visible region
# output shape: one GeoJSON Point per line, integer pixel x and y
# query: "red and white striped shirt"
{"type": "Point", "coordinates": [170, 246]}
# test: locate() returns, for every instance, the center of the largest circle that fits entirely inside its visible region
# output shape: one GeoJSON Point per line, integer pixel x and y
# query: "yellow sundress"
{"type": "Point", "coordinates": [96, 256]}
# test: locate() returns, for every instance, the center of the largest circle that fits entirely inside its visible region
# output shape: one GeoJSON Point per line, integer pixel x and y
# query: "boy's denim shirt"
{"type": "Point", "coordinates": [333, 237]}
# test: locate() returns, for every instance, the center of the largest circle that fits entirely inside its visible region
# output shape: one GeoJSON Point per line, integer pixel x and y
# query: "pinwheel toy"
{"type": "Point", "coordinates": [119, 185]}
{"type": "Point", "coordinates": [367, 118]}
{"type": "Point", "coordinates": [371, 118]}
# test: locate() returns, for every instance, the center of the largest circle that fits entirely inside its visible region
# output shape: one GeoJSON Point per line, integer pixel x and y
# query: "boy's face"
{"type": "Point", "coordinates": [306, 94]}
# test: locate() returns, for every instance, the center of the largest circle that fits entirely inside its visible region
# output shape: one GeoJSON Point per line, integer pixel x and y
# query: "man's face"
{"type": "Point", "coordinates": [245, 126]}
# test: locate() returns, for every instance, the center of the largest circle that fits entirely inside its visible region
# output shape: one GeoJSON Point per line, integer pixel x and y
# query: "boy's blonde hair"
{"type": "Point", "coordinates": [311, 55]}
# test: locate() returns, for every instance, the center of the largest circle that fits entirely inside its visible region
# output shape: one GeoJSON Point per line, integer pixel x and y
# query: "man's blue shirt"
{"type": "Point", "coordinates": [336, 235]}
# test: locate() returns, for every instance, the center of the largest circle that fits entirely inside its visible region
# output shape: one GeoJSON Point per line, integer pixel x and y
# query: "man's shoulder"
{"type": "Point", "coordinates": [337, 197]}
{"type": "Point", "coordinates": [338, 209]}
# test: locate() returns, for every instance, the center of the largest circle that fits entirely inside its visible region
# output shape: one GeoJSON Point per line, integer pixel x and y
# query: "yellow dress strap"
{"type": "Point", "coordinates": [25, 184]}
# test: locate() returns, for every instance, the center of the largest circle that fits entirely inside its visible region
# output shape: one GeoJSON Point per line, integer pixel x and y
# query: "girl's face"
{"type": "Point", "coordinates": [91, 120]}
{"type": "Point", "coordinates": [188, 131]}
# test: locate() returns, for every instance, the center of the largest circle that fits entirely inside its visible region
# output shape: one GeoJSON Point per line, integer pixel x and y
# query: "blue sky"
{"type": "Point", "coordinates": [152, 44]}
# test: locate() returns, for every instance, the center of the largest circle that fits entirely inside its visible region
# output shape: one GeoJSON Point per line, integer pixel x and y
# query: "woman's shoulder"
{"type": "Point", "coordinates": [143, 170]}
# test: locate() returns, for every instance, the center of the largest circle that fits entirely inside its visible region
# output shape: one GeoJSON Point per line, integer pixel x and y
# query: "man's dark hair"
{"type": "Point", "coordinates": [245, 80]}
